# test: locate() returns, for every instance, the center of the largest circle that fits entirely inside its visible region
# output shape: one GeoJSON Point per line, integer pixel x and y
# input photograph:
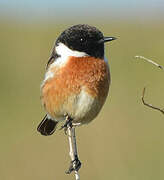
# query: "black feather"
{"type": "Point", "coordinates": [47, 126]}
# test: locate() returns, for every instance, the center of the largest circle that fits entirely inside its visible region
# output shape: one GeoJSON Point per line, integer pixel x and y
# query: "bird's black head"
{"type": "Point", "coordinates": [84, 38]}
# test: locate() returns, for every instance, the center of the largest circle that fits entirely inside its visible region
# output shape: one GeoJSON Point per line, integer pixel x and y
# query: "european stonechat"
{"type": "Point", "coordinates": [77, 78]}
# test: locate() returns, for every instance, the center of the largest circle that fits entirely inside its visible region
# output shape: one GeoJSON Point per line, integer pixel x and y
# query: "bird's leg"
{"type": "Point", "coordinates": [67, 122]}
{"type": "Point", "coordinates": [75, 163]}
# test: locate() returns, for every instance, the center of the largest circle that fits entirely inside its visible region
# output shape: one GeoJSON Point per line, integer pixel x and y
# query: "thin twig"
{"type": "Point", "coordinates": [73, 147]}
{"type": "Point", "coordinates": [150, 105]}
{"type": "Point", "coordinates": [150, 61]}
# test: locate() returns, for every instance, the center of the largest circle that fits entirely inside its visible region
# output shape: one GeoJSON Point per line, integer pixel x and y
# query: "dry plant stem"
{"type": "Point", "coordinates": [150, 61]}
{"type": "Point", "coordinates": [74, 142]}
{"type": "Point", "coordinates": [150, 105]}
{"type": "Point", "coordinates": [73, 147]}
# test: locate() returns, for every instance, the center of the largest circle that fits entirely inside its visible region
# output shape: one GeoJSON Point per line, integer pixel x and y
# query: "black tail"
{"type": "Point", "coordinates": [47, 126]}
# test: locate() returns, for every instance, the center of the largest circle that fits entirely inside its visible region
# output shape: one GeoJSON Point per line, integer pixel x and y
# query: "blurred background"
{"type": "Point", "coordinates": [126, 140]}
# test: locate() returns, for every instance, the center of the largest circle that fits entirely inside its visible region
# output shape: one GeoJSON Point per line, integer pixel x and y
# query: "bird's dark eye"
{"type": "Point", "coordinates": [81, 39]}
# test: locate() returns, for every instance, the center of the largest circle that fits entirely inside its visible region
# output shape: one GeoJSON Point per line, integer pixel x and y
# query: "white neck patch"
{"type": "Point", "coordinates": [64, 51]}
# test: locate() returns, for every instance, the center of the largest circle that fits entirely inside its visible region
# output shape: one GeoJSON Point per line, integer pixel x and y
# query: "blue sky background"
{"type": "Point", "coordinates": [65, 9]}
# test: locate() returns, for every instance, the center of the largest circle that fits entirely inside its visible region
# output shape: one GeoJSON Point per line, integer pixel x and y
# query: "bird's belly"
{"type": "Point", "coordinates": [84, 108]}
{"type": "Point", "coordinates": [81, 107]}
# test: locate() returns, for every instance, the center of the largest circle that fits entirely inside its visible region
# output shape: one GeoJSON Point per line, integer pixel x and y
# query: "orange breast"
{"type": "Point", "coordinates": [82, 72]}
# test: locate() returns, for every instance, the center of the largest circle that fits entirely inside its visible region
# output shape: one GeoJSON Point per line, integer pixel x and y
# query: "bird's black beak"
{"type": "Point", "coordinates": [106, 39]}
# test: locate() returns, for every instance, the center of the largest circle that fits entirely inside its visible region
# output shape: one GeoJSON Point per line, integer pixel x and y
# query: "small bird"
{"type": "Point", "coordinates": [77, 78]}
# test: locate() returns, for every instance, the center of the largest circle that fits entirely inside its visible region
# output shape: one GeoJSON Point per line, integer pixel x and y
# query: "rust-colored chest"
{"type": "Point", "coordinates": [82, 73]}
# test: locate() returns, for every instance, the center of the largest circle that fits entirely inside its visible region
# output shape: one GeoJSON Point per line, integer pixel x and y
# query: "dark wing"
{"type": "Point", "coordinates": [47, 126]}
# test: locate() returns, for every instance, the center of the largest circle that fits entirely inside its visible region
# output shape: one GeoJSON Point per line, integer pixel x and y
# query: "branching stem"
{"type": "Point", "coordinates": [150, 61]}
{"type": "Point", "coordinates": [150, 105]}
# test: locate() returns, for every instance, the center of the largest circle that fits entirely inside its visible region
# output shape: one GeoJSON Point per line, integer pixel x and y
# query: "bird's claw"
{"type": "Point", "coordinates": [66, 124]}
{"type": "Point", "coordinates": [74, 166]}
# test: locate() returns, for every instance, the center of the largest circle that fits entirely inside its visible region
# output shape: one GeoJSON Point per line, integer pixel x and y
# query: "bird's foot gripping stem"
{"type": "Point", "coordinates": [68, 123]}
{"type": "Point", "coordinates": [75, 163]}
{"type": "Point", "coordinates": [74, 166]}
